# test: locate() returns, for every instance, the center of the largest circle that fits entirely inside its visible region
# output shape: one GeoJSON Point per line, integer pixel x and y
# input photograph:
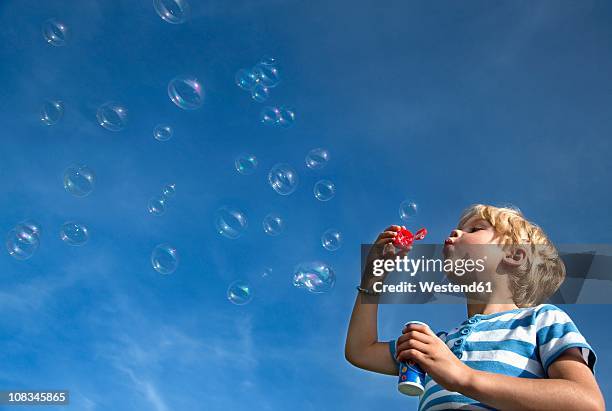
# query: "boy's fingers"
{"type": "Point", "coordinates": [387, 234]}
{"type": "Point", "coordinates": [389, 249]}
{"type": "Point", "coordinates": [410, 354]}
{"type": "Point", "coordinates": [418, 327]}
{"type": "Point", "coordinates": [412, 344]}
{"type": "Point", "coordinates": [413, 335]}
{"type": "Point", "coordinates": [393, 228]}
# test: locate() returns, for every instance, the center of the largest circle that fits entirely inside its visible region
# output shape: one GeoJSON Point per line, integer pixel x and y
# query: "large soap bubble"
{"type": "Point", "coordinates": [23, 240]}
{"type": "Point", "coordinates": [230, 222]}
{"type": "Point", "coordinates": [172, 11]}
{"type": "Point", "coordinates": [408, 209]}
{"type": "Point", "coordinates": [162, 132]}
{"type": "Point", "coordinates": [317, 158]}
{"type": "Point", "coordinates": [331, 239]}
{"type": "Point", "coordinates": [273, 224]}
{"type": "Point", "coordinates": [79, 180]}
{"type": "Point", "coordinates": [240, 292]}
{"type": "Point", "coordinates": [283, 179]}
{"type": "Point", "coordinates": [315, 276]}
{"type": "Point", "coordinates": [164, 259]}
{"type": "Point", "coordinates": [246, 164]}
{"type": "Point", "coordinates": [52, 112]}
{"type": "Point", "coordinates": [157, 205]}
{"type": "Point", "coordinates": [74, 233]}
{"type": "Point", "coordinates": [55, 32]}
{"type": "Point", "coordinates": [324, 190]}
{"type": "Point", "coordinates": [186, 92]}
{"type": "Point", "coordinates": [112, 116]}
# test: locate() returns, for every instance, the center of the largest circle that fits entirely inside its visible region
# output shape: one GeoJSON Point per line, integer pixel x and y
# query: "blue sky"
{"type": "Point", "coordinates": [447, 103]}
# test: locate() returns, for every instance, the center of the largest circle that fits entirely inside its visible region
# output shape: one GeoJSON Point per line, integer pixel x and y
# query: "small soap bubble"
{"type": "Point", "coordinates": [22, 242]}
{"type": "Point", "coordinates": [162, 132]}
{"type": "Point", "coordinates": [314, 276]}
{"type": "Point", "coordinates": [169, 190]}
{"type": "Point", "coordinates": [157, 206]}
{"type": "Point", "coordinates": [51, 112]}
{"type": "Point", "coordinates": [172, 11]}
{"type": "Point", "coordinates": [317, 158]}
{"type": "Point", "coordinates": [267, 74]}
{"type": "Point", "coordinates": [286, 117]}
{"type": "Point", "coordinates": [268, 60]}
{"type": "Point", "coordinates": [112, 116]}
{"type": "Point", "coordinates": [331, 239]}
{"type": "Point", "coordinates": [324, 190]}
{"type": "Point", "coordinates": [273, 224]}
{"type": "Point", "coordinates": [230, 222]}
{"type": "Point", "coordinates": [246, 164]}
{"type": "Point", "coordinates": [245, 79]}
{"type": "Point", "coordinates": [270, 116]}
{"type": "Point", "coordinates": [186, 92]}
{"type": "Point", "coordinates": [55, 32]}
{"type": "Point", "coordinates": [164, 259]}
{"type": "Point", "coordinates": [260, 93]}
{"type": "Point", "coordinates": [74, 233]}
{"type": "Point", "coordinates": [266, 273]}
{"type": "Point", "coordinates": [283, 179]}
{"type": "Point", "coordinates": [407, 209]}
{"type": "Point", "coordinates": [239, 292]}
{"type": "Point", "coordinates": [79, 180]}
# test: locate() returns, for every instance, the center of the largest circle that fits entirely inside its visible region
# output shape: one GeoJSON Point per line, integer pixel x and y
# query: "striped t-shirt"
{"type": "Point", "coordinates": [519, 343]}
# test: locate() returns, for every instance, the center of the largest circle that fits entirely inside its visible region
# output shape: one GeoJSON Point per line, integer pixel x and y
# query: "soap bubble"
{"type": "Point", "coordinates": [286, 117]}
{"type": "Point", "coordinates": [273, 225]}
{"type": "Point", "coordinates": [74, 233]}
{"type": "Point", "coordinates": [315, 276]}
{"type": "Point", "coordinates": [157, 206]}
{"type": "Point", "coordinates": [270, 115]}
{"type": "Point", "coordinates": [246, 164]}
{"type": "Point", "coordinates": [331, 239]}
{"type": "Point", "coordinates": [239, 292]}
{"type": "Point", "coordinates": [162, 132]}
{"type": "Point", "coordinates": [268, 60]}
{"type": "Point", "coordinates": [22, 241]}
{"type": "Point", "coordinates": [317, 158]}
{"type": "Point", "coordinates": [267, 272]}
{"type": "Point", "coordinates": [79, 180]}
{"type": "Point", "coordinates": [112, 116]}
{"type": "Point", "coordinates": [172, 11]}
{"type": "Point", "coordinates": [230, 222]}
{"type": "Point", "coordinates": [267, 74]}
{"type": "Point", "coordinates": [51, 112]}
{"type": "Point", "coordinates": [164, 259]}
{"type": "Point", "coordinates": [283, 179]}
{"type": "Point", "coordinates": [186, 92]}
{"type": "Point", "coordinates": [260, 93]}
{"type": "Point", "coordinates": [169, 190]}
{"type": "Point", "coordinates": [245, 79]}
{"type": "Point", "coordinates": [407, 209]}
{"type": "Point", "coordinates": [324, 190]}
{"type": "Point", "coordinates": [55, 32]}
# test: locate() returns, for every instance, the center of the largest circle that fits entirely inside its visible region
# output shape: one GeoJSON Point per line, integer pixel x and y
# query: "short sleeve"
{"type": "Point", "coordinates": [392, 349]}
{"type": "Point", "coordinates": [556, 332]}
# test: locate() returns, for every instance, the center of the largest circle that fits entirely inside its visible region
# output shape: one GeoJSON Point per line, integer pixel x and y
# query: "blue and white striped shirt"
{"type": "Point", "coordinates": [519, 343]}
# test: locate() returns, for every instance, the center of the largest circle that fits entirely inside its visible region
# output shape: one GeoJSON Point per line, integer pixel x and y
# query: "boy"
{"type": "Point", "coordinates": [519, 354]}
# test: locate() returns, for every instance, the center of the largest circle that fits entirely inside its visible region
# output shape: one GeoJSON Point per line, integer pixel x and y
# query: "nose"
{"type": "Point", "coordinates": [454, 233]}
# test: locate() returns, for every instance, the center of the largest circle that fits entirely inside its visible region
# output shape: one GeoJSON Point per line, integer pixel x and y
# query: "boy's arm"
{"type": "Point", "coordinates": [570, 386]}
{"type": "Point", "coordinates": [362, 347]}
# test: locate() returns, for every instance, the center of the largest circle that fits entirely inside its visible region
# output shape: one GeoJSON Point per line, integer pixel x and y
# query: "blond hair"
{"type": "Point", "coordinates": [543, 273]}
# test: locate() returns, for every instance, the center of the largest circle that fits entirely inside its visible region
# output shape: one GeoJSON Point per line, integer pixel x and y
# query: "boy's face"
{"type": "Point", "coordinates": [475, 240]}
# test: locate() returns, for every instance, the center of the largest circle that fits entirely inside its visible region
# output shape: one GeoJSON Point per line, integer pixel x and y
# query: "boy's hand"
{"type": "Point", "coordinates": [418, 343]}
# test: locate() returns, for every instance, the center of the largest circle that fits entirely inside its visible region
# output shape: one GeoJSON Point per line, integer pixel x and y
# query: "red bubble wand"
{"type": "Point", "coordinates": [404, 238]}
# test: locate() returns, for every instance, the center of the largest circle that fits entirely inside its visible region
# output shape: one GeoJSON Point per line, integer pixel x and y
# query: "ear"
{"type": "Point", "coordinates": [516, 256]}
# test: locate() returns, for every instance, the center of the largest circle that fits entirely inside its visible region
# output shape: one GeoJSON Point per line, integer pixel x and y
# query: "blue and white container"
{"type": "Point", "coordinates": [411, 376]}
